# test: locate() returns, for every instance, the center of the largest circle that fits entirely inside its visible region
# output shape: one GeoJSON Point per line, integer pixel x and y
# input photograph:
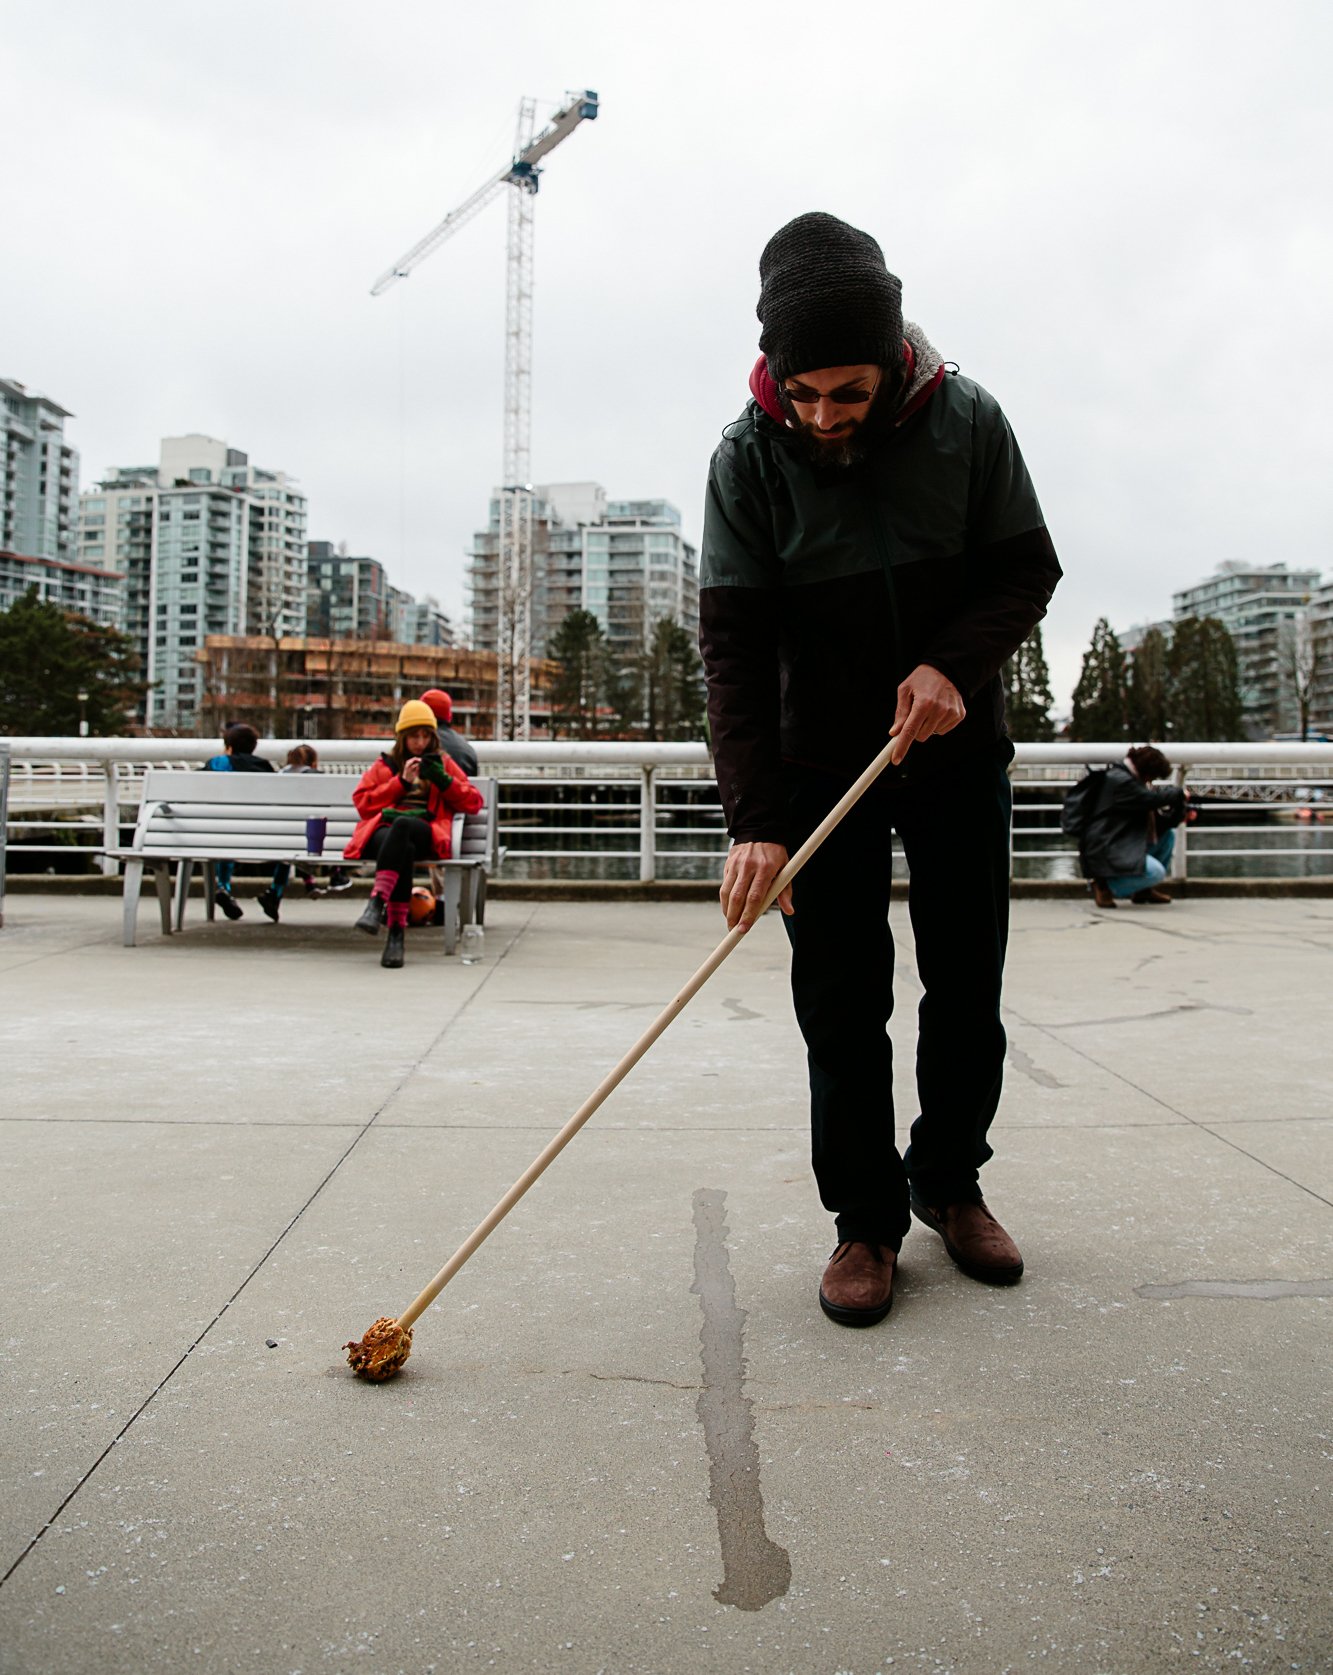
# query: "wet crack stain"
{"type": "Point", "coordinates": [755, 1570]}
{"type": "Point", "coordinates": [1020, 1061]}
{"type": "Point", "coordinates": [1261, 1291]}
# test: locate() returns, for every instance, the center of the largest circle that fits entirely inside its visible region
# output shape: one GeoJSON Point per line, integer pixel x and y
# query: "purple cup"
{"type": "Point", "coordinates": [315, 833]}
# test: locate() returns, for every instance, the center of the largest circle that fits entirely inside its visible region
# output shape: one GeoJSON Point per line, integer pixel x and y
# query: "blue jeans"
{"type": "Point", "coordinates": [1156, 865]}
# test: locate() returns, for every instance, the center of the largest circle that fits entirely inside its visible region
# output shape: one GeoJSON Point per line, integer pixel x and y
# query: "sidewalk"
{"type": "Point", "coordinates": [627, 1440]}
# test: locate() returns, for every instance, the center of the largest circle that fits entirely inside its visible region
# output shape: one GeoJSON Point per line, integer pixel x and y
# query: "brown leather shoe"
{"type": "Point", "coordinates": [1151, 898]}
{"type": "Point", "coordinates": [975, 1241]}
{"type": "Point", "coordinates": [1101, 896]}
{"type": "Point", "coordinates": [857, 1287]}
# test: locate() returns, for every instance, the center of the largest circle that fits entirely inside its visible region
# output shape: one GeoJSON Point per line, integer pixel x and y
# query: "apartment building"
{"type": "Point", "coordinates": [625, 561]}
{"type": "Point", "coordinates": [207, 544]}
{"type": "Point", "coordinates": [1259, 605]}
{"type": "Point", "coordinates": [39, 475]}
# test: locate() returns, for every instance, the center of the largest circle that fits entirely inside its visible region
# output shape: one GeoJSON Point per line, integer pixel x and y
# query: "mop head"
{"type": "Point", "coordinates": [383, 1350]}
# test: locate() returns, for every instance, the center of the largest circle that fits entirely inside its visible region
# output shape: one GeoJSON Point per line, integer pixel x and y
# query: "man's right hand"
{"type": "Point", "coordinates": [747, 879]}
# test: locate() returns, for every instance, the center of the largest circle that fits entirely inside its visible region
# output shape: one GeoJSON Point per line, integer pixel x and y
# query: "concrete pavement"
{"type": "Point", "coordinates": [627, 1440]}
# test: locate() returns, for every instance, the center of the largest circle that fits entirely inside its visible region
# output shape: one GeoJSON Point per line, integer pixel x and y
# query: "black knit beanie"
{"type": "Point", "coordinates": [827, 299]}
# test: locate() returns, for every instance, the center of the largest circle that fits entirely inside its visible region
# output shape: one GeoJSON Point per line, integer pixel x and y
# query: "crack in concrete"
{"type": "Point", "coordinates": [1259, 1291]}
{"type": "Point", "coordinates": [1164, 1012]}
{"type": "Point", "coordinates": [1020, 1061]}
{"type": "Point", "coordinates": [755, 1570]}
{"type": "Point", "coordinates": [640, 1378]}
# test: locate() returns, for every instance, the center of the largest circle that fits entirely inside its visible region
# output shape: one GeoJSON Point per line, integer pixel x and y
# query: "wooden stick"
{"type": "Point", "coordinates": [614, 1077]}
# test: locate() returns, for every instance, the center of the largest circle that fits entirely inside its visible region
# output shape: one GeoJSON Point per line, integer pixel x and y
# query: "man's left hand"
{"type": "Point", "coordinates": [928, 703]}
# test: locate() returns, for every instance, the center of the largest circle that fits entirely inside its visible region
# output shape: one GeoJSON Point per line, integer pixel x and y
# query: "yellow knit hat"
{"type": "Point", "coordinates": [415, 714]}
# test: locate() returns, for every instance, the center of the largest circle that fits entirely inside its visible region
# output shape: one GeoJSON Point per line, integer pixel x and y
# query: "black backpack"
{"type": "Point", "coordinates": [1081, 801]}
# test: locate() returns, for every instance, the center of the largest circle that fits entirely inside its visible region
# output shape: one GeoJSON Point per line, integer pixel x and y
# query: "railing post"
{"type": "Point", "coordinates": [647, 825]}
{"type": "Point", "coordinates": [110, 815]}
{"type": "Point", "coordinates": [4, 820]}
{"type": "Point", "coordinates": [1180, 853]}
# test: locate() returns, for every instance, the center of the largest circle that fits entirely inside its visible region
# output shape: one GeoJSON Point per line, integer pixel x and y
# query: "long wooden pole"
{"type": "Point", "coordinates": [613, 1078]}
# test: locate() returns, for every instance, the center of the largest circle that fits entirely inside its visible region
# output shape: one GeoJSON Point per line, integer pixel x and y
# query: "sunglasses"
{"type": "Point", "coordinates": [850, 396]}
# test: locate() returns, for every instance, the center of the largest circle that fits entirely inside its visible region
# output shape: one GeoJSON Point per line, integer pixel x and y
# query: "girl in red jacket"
{"type": "Point", "coordinates": [407, 801]}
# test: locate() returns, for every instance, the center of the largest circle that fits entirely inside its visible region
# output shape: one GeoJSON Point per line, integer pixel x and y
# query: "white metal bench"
{"type": "Point", "coordinates": [200, 817]}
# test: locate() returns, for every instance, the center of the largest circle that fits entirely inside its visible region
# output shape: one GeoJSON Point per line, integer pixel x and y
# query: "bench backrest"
{"type": "Point", "coordinates": [260, 817]}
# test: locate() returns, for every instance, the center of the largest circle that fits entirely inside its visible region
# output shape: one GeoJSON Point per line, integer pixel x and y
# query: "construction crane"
{"type": "Point", "coordinates": [513, 707]}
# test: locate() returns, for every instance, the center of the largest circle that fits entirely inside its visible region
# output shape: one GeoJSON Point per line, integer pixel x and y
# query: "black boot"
{"type": "Point", "coordinates": [393, 948]}
{"type": "Point", "coordinates": [372, 917]}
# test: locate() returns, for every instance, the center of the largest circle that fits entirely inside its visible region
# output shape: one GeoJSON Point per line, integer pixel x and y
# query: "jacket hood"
{"type": "Point", "coordinates": [925, 373]}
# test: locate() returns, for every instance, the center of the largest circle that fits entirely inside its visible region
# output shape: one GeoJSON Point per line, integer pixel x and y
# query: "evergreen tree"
{"type": "Point", "coordinates": [1027, 692]}
{"type": "Point", "coordinates": [1150, 687]}
{"type": "Point", "coordinates": [673, 687]}
{"type": "Point", "coordinates": [583, 684]}
{"type": "Point", "coordinates": [1100, 698]}
{"type": "Point", "coordinates": [1204, 681]}
{"type": "Point", "coordinates": [48, 657]}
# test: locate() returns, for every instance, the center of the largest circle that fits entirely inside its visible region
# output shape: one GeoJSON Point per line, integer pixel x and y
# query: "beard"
{"type": "Point", "coordinates": [862, 438]}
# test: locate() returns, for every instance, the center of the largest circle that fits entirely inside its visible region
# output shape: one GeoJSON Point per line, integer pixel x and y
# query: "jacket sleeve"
{"type": "Point", "coordinates": [377, 790]}
{"type": "Point", "coordinates": [1125, 794]}
{"type": "Point", "coordinates": [738, 640]}
{"type": "Point", "coordinates": [460, 796]}
{"type": "Point", "coordinates": [1011, 561]}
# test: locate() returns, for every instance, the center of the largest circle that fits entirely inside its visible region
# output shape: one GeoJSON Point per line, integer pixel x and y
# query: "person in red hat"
{"type": "Point", "coordinates": [453, 744]}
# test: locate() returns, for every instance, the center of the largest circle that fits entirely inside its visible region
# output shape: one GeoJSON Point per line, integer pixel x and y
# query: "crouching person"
{"type": "Point", "coordinates": [407, 801]}
{"type": "Point", "coordinates": [1126, 845]}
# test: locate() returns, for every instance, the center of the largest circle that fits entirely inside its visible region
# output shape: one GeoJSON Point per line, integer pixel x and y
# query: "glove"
{"type": "Point", "coordinates": [432, 771]}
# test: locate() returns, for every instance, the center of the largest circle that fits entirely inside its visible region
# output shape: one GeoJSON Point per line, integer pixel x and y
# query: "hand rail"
{"type": "Point", "coordinates": [661, 842]}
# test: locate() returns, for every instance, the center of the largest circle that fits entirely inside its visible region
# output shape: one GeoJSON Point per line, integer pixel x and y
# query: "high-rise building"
{"type": "Point", "coordinates": [1319, 650]}
{"type": "Point", "coordinates": [625, 561]}
{"type": "Point", "coordinates": [83, 589]}
{"type": "Point", "coordinates": [348, 598]}
{"type": "Point", "coordinates": [207, 544]}
{"type": "Point", "coordinates": [421, 622]}
{"type": "Point", "coordinates": [1257, 604]}
{"type": "Point", "coordinates": [39, 475]}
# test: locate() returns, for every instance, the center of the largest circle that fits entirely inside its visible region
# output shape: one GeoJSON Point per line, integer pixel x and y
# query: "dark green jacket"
{"type": "Point", "coordinates": [1125, 819]}
{"type": "Point", "coordinates": [821, 590]}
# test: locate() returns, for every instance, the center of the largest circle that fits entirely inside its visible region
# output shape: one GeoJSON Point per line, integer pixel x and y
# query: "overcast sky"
{"type": "Point", "coordinates": [1116, 218]}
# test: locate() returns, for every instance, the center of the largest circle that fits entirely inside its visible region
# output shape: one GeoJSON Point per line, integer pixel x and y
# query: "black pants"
{"type": "Point", "coordinates": [397, 846]}
{"type": "Point", "coordinates": [955, 835]}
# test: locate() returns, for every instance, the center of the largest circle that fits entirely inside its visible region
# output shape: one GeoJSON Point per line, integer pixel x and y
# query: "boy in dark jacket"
{"type": "Point", "coordinates": [873, 551]}
{"type": "Point", "coordinates": [238, 757]}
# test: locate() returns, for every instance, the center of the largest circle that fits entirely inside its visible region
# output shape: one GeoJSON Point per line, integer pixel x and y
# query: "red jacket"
{"type": "Point", "coordinates": [381, 788]}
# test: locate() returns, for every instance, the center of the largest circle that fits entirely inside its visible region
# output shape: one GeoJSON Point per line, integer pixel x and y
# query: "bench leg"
{"type": "Point", "coordinates": [130, 903]}
{"type": "Point", "coordinates": [210, 892]}
{"type": "Point", "coordinates": [453, 890]}
{"type": "Point", "coordinates": [481, 895]}
{"type": "Point", "coordinates": [162, 878]}
{"type": "Point", "coordinates": [184, 873]}
{"type": "Point", "coordinates": [468, 915]}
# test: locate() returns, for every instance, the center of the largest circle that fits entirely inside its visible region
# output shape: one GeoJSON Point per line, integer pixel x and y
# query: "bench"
{"type": "Point", "coordinates": [189, 817]}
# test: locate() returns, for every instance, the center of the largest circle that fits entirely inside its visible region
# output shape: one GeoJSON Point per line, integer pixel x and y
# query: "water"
{"type": "Point", "coordinates": [471, 944]}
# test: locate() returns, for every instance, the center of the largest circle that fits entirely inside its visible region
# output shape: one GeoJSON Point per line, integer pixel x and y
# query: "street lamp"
{"type": "Point", "coordinates": [83, 719]}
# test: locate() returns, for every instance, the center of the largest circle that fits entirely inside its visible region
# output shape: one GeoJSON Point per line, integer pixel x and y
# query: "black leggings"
{"type": "Point", "coordinates": [397, 846]}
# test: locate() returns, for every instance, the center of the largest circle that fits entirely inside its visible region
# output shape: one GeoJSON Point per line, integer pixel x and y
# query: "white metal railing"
{"type": "Point", "coordinates": [622, 809]}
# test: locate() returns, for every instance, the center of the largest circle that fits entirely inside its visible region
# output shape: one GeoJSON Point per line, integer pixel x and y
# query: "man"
{"type": "Point", "coordinates": [873, 551]}
{"type": "Point", "coordinates": [452, 744]}
{"type": "Point", "coordinates": [1125, 847]}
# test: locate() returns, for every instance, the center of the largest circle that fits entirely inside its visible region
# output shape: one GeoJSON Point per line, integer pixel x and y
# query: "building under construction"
{"type": "Point", "coordinates": [348, 689]}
